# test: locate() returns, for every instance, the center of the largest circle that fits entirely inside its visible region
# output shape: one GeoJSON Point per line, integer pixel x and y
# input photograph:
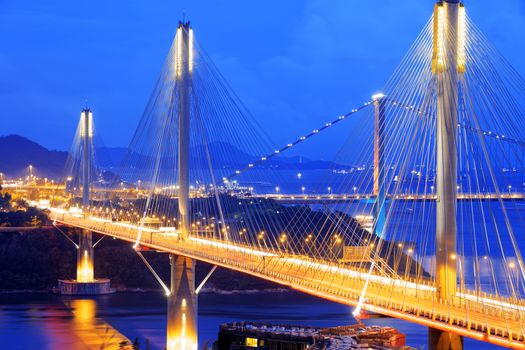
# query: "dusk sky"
{"type": "Point", "coordinates": [295, 64]}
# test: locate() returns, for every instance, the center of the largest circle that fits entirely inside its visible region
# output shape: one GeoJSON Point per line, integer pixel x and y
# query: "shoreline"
{"type": "Point", "coordinates": [216, 291]}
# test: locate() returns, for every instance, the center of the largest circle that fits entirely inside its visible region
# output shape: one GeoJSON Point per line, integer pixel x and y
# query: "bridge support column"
{"type": "Point", "coordinates": [182, 305]}
{"type": "Point", "coordinates": [445, 63]}
{"type": "Point", "coordinates": [85, 245]}
{"type": "Point", "coordinates": [85, 257]}
{"type": "Point", "coordinates": [448, 53]}
{"type": "Point", "coordinates": [440, 340]}
{"type": "Point", "coordinates": [182, 331]}
{"type": "Point", "coordinates": [85, 284]}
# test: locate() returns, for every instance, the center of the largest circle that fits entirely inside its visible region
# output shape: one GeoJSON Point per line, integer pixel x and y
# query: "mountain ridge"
{"type": "Point", "coordinates": [18, 152]}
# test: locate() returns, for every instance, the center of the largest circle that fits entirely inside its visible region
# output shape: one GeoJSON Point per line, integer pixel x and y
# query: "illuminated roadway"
{"type": "Point", "coordinates": [290, 198]}
{"type": "Point", "coordinates": [482, 317]}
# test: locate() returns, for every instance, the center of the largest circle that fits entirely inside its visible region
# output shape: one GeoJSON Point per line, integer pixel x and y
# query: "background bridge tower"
{"type": "Point", "coordinates": [182, 301]}
{"type": "Point", "coordinates": [449, 17]}
{"type": "Point", "coordinates": [85, 244]}
{"type": "Point", "coordinates": [85, 284]}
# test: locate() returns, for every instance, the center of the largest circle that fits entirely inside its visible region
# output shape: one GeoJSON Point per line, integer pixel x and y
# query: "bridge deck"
{"type": "Point", "coordinates": [344, 198]}
{"type": "Point", "coordinates": [485, 317]}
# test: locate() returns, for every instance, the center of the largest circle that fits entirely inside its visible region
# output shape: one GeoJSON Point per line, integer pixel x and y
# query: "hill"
{"type": "Point", "coordinates": [18, 152]}
{"type": "Point", "coordinates": [222, 154]}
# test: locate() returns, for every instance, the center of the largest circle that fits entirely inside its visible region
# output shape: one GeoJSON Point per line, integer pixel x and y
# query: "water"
{"type": "Point", "coordinates": [49, 322]}
{"type": "Point", "coordinates": [41, 321]}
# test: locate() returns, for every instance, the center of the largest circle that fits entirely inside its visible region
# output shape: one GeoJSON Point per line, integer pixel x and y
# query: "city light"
{"type": "Point", "coordinates": [378, 96]}
{"type": "Point", "coordinates": [197, 145]}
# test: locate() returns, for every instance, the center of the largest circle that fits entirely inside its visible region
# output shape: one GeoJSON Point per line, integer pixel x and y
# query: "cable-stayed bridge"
{"type": "Point", "coordinates": [432, 145]}
{"type": "Point", "coordinates": [480, 316]}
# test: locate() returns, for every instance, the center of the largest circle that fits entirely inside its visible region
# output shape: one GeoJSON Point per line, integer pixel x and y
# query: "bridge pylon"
{"type": "Point", "coordinates": [85, 245]}
{"type": "Point", "coordinates": [448, 42]}
{"type": "Point", "coordinates": [85, 284]}
{"type": "Point", "coordinates": [182, 299]}
{"type": "Point", "coordinates": [379, 165]}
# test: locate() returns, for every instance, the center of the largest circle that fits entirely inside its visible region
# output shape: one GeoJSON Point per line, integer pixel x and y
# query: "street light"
{"type": "Point", "coordinates": [309, 243]}
{"type": "Point", "coordinates": [277, 189]}
{"type": "Point", "coordinates": [337, 246]}
{"type": "Point", "coordinates": [329, 190]}
{"type": "Point", "coordinates": [302, 189]}
{"type": "Point", "coordinates": [260, 237]}
{"type": "Point", "coordinates": [408, 262]}
{"type": "Point", "coordinates": [283, 240]}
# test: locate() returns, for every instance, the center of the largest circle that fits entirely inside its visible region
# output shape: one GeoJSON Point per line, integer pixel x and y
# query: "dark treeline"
{"type": "Point", "coordinates": [35, 260]}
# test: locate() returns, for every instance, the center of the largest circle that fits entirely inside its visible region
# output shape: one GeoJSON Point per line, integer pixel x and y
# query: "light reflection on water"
{"type": "Point", "coordinates": [29, 321]}
{"type": "Point", "coordinates": [48, 322]}
{"type": "Point", "coordinates": [93, 330]}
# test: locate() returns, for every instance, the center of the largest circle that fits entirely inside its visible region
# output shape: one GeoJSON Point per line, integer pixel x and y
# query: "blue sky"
{"type": "Point", "coordinates": [295, 64]}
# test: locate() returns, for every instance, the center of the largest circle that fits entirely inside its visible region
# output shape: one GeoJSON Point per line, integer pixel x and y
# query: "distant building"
{"type": "Point", "coordinates": [258, 336]}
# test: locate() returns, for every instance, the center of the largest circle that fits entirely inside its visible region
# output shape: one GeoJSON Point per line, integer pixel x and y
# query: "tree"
{"type": "Point", "coordinates": [5, 201]}
{"type": "Point", "coordinates": [123, 345]}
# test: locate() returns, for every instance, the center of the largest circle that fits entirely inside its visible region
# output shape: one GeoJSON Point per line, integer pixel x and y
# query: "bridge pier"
{"type": "Point", "coordinates": [85, 257]}
{"type": "Point", "coordinates": [441, 340]}
{"type": "Point", "coordinates": [182, 305]}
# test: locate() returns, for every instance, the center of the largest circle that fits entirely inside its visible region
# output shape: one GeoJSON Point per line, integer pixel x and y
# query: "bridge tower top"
{"type": "Point", "coordinates": [86, 135]}
{"type": "Point", "coordinates": [184, 50]}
